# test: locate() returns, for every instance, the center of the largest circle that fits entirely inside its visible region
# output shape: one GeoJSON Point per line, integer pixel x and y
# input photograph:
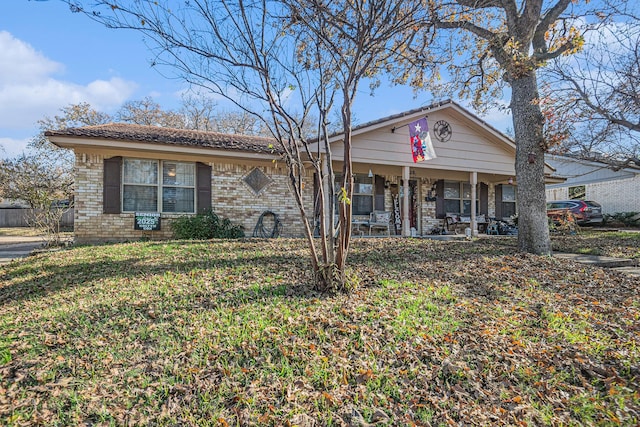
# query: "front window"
{"type": "Point", "coordinates": [457, 197]}
{"type": "Point", "coordinates": [142, 190]}
{"type": "Point", "coordinates": [578, 192]}
{"type": "Point", "coordinates": [508, 200]}
{"type": "Point", "coordinates": [362, 201]}
{"type": "Point", "coordinates": [178, 185]}
{"type": "Point", "coordinates": [363, 194]}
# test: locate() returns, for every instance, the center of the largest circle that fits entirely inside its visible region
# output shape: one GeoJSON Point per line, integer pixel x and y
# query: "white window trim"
{"type": "Point", "coordinates": [159, 186]}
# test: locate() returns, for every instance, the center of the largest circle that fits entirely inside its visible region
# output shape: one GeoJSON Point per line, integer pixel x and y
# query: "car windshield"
{"type": "Point", "coordinates": [592, 204]}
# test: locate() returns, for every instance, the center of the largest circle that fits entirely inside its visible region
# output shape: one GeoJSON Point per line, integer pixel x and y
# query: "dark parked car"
{"type": "Point", "coordinates": [585, 212]}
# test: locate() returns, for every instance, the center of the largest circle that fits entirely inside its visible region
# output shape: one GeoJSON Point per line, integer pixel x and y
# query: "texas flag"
{"type": "Point", "coordinates": [421, 146]}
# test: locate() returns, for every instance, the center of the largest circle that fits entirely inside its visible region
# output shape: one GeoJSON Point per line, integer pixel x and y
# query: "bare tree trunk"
{"type": "Point", "coordinates": [345, 207]}
{"type": "Point", "coordinates": [528, 122]}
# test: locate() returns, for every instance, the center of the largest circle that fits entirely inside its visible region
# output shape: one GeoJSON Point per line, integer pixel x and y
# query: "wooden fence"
{"type": "Point", "coordinates": [11, 217]}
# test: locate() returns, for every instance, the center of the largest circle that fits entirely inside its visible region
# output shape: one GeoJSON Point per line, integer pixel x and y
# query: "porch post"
{"type": "Point", "coordinates": [406, 228]}
{"type": "Point", "coordinates": [473, 180]}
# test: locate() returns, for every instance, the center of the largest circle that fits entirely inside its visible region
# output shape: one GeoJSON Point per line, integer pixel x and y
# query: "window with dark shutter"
{"type": "Point", "coordinates": [203, 183]}
{"type": "Point", "coordinates": [111, 185]}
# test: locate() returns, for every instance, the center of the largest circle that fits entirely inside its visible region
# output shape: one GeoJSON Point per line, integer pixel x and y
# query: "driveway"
{"type": "Point", "coordinates": [13, 247]}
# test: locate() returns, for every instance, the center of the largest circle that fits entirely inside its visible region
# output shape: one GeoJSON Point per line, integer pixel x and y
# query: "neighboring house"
{"type": "Point", "coordinates": [615, 190]}
{"type": "Point", "coordinates": [122, 169]}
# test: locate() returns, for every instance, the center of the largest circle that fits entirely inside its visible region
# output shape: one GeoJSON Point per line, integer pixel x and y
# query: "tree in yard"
{"type": "Point", "coordinates": [362, 40]}
{"type": "Point", "coordinates": [285, 63]}
{"type": "Point", "coordinates": [44, 184]}
{"type": "Point", "coordinates": [509, 42]}
{"type": "Point", "coordinates": [73, 115]}
{"type": "Point", "coordinates": [596, 93]}
{"type": "Point", "coordinates": [43, 176]}
{"type": "Point", "coordinates": [147, 112]}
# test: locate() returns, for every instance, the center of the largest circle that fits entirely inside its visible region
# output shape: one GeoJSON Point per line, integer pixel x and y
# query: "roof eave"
{"type": "Point", "coordinates": [74, 142]}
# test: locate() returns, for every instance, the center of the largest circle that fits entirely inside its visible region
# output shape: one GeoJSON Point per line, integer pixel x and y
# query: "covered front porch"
{"type": "Point", "coordinates": [407, 201]}
{"type": "Point", "coordinates": [467, 179]}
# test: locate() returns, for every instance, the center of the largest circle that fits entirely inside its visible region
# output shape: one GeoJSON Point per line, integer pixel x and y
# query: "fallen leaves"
{"type": "Point", "coordinates": [230, 333]}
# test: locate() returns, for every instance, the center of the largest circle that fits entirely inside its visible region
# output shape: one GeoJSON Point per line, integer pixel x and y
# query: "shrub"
{"type": "Point", "coordinates": [628, 219]}
{"type": "Point", "coordinates": [204, 226]}
{"type": "Point", "coordinates": [564, 224]}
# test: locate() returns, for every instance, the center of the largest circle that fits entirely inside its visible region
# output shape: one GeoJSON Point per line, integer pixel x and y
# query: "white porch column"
{"type": "Point", "coordinates": [406, 228]}
{"type": "Point", "coordinates": [473, 180]}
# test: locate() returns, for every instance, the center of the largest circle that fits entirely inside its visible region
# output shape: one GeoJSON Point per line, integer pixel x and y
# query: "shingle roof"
{"type": "Point", "coordinates": [160, 135]}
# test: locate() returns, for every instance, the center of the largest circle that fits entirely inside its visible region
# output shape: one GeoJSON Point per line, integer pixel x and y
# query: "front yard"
{"type": "Point", "coordinates": [229, 333]}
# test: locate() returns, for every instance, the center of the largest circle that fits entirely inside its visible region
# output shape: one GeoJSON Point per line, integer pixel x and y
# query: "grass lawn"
{"type": "Point", "coordinates": [19, 231]}
{"type": "Point", "coordinates": [30, 232]}
{"type": "Point", "coordinates": [230, 334]}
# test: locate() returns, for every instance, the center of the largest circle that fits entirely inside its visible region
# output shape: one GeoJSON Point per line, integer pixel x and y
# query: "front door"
{"type": "Point", "coordinates": [413, 204]}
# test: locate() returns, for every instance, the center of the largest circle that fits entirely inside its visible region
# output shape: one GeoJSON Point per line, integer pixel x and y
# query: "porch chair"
{"type": "Point", "coordinates": [380, 220]}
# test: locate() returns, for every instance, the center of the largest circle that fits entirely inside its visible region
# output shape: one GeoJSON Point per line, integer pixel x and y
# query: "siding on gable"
{"type": "Point", "coordinates": [467, 150]}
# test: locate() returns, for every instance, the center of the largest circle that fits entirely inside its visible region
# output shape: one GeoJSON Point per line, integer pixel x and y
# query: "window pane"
{"type": "Point", "coordinates": [451, 190]}
{"type": "Point", "coordinates": [452, 206]}
{"type": "Point", "coordinates": [578, 192]}
{"type": "Point", "coordinates": [508, 209]}
{"type": "Point", "coordinates": [362, 184]}
{"type": "Point", "coordinates": [466, 191]}
{"type": "Point", "coordinates": [362, 205]}
{"type": "Point", "coordinates": [466, 207]}
{"type": "Point", "coordinates": [174, 173]}
{"type": "Point", "coordinates": [138, 171]}
{"type": "Point", "coordinates": [363, 188]}
{"type": "Point", "coordinates": [508, 193]}
{"type": "Point", "coordinates": [177, 199]}
{"type": "Point", "coordinates": [137, 198]}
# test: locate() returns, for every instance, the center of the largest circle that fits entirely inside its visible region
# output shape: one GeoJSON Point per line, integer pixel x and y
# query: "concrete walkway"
{"type": "Point", "coordinates": [624, 265]}
{"type": "Point", "coordinates": [13, 247]}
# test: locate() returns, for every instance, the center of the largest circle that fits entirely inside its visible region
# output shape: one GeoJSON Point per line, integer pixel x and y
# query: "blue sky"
{"type": "Point", "coordinates": [51, 58]}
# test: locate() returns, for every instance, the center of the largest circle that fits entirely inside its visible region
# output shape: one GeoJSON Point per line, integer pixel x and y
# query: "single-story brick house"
{"type": "Point", "coordinates": [617, 190]}
{"type": "Point", "coordinates": [122, 169]}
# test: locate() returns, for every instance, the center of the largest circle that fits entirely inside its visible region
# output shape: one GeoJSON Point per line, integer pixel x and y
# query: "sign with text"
{"type": "Point", "coordinates": [147, 221]}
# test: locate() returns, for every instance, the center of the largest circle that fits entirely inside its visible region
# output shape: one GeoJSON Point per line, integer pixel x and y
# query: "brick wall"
{"type": "Point", "coordinates": [622, 195]}
{"type": "Point", "coordinates": [231, 198]}
{"type": "Point", "coordinates": [616, 196]}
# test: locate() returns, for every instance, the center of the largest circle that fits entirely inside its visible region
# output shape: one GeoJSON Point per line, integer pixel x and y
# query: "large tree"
{"type": "Point", "coordinates": [507, 42]}
{"type": "Point", "coordinates": [594, 96]}
{"type": "Point", "coordinates": [286, 63]}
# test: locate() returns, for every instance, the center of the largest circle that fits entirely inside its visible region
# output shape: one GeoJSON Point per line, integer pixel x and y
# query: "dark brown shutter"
{"type": "Point", "coordinates": [203, 184]}
{"type": "Point", "coordinates": [499, 201]}
{"type": "Point", "coordinates": [379, 200]}
{"type": "Point", "coordinates": [484, 199]}
{"type": "Point", "coordinates": [440, 213]}
{"type": "Point", "coordinates": [111, 185]}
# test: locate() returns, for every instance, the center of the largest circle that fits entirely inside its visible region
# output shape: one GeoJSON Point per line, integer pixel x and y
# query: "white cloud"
{"type": "Point", "coordinates": [29, 90]}
{"type": "Point", "coordinates": [20, 63]}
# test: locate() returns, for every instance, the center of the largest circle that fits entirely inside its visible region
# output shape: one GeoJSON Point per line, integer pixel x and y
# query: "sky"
{"type": "Point", "coordinates": [51, 58]}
